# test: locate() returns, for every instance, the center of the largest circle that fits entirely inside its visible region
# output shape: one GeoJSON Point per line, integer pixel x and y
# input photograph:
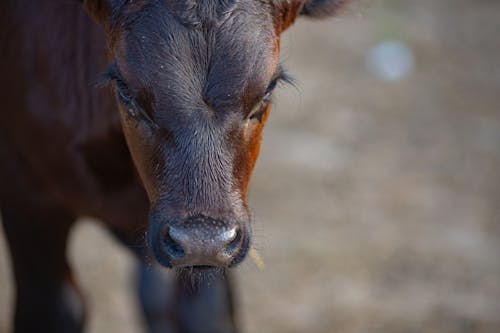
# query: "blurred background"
{"type": "Point", "coordinates": [377, 192]}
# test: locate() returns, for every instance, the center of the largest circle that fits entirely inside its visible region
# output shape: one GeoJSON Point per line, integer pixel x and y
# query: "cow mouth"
{"type": "Point", "coordinates": [194, 277]}
{"type": "Point", "coordinates": [200, 269]}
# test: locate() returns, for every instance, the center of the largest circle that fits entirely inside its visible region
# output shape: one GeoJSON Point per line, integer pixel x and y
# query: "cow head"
{"type": "Point", "coordinates": [194, 81]}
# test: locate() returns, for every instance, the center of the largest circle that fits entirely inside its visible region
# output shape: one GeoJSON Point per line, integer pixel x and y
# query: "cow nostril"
{"type": "Point", "coordinates": [197, 243]}
{"type": "Point", "coordinates": [235, 241]}
{"type": "Point", "coordinates": [173, 248]}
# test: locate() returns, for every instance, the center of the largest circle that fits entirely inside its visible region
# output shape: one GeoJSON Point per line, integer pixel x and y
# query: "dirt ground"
{"type": "Point", "coordinates": [377, 203]}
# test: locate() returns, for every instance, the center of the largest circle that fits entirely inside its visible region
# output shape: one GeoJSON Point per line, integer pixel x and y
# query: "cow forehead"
{"type": "Point", "coordinates": [218, 50]}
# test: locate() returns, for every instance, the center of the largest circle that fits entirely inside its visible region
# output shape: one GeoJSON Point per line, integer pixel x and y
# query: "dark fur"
{"type": "Point", "coordinates": [323, 8]}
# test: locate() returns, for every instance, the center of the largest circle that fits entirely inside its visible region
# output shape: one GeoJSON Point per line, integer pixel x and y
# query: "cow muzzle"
{"type": "Point", "coordinates": [201, 241]}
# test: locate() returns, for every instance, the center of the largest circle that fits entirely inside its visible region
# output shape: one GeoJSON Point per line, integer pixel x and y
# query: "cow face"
{"type": "Point", "coordinates": [194, 81]}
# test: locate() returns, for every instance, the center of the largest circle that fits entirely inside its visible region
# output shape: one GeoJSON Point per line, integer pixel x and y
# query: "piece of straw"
{"type": "Point", "coordinates": [257, 259]}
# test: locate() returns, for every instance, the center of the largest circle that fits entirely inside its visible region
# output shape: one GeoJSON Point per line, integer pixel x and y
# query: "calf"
{"type": "Point", "coordinates": [167, 153]}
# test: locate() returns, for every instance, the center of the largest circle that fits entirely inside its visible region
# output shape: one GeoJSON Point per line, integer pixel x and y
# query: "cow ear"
{"type": "Point", "coordinates": [286, 13]}
{"type": "Point", "coordinates": [322, 8]}
{"type": "Point", "coordinates": [99, 10]}
{"type": "Point", "coordinates": [288, 10]}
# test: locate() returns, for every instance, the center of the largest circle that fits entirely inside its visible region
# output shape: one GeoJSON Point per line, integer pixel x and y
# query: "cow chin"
{"type": "Point", "coordinates": [195, 277]}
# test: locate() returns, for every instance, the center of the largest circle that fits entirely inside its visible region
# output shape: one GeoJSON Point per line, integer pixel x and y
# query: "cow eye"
{"type": "Point", "coordinates": [260, 108]}
{"type": "Point", "coordinates": [132, 108]}
{"type": "Point", "coordinates": [123, 93]}
{"type": "Point", "coordinates": [124, 98]}
{"type": "Point", "coordinates": [270, 89]}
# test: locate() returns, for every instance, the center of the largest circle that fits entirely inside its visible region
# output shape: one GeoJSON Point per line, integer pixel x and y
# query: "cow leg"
{"type": "Point", "coordinates": [155, 289]}
{"type": "Point", "coordinates": [173, 305]}
{"type": "Point", "coordinates": [46, 297]}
